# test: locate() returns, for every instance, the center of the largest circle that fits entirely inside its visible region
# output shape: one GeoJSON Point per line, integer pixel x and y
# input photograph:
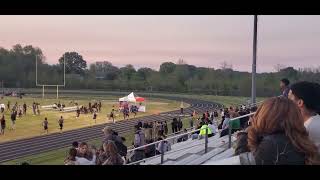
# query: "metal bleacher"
{"type": "Point", "coordinates": [191, 152]}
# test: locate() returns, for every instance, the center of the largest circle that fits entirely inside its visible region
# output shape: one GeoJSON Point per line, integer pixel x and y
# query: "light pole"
{"type": "Point", "coordinates": [254, 61]}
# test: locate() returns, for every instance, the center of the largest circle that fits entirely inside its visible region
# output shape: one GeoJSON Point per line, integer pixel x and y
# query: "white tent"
{"type": "Point", "coordinates": [129, 98]}
{"type": "Point", "coordinates": [132, 99]}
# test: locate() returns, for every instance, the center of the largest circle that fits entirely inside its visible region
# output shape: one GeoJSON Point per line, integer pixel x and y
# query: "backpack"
{"type": "Point", "coordinates": [122, 149]}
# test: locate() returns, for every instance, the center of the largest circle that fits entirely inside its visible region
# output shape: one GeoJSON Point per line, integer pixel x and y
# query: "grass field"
{"type": "Point", "coordinates": [30, 125]}
{"type": "Point", "coordinates": [56, 157]}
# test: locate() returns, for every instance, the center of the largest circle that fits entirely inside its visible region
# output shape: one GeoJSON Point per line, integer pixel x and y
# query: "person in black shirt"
{"type": "Point", "coordinates": [25, 109]}
{"type": "Point", "coordinates": [45, 125]}
{"type": "Point", "coordinates": [13, 119]}
{"type": "Point", "coordinates": [95, 117]}
{"type": "Point", "coordinates": [60, 121]}
{"type": "Point", "coordinates": [78, 112]}
{"type": "Point", "coordinates": [3, 124]}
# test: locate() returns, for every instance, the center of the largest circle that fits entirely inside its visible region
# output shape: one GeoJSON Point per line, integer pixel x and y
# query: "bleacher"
{"type": "Point", "coordinates": [192, 152]}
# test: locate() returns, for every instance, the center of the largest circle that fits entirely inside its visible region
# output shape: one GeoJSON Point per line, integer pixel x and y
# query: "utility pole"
{"type": "Point", "coordinates": [254, 61]}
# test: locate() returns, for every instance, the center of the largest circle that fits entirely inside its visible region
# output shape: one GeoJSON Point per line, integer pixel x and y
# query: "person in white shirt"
{"type": "Point", "coordinates": [83, 156]}
{"type": "Point", "coordinates": [307, 97]}
{"type": "Point", "coordinates": [225, 124]}
{"type": "Point", "coordinates": [213, 128]}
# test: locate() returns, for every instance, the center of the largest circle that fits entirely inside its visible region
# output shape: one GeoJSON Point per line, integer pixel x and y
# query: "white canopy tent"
{"type": "Point", "coordinates": [132, 99]}
{"type": "Point", "coordinates": [129, 98]}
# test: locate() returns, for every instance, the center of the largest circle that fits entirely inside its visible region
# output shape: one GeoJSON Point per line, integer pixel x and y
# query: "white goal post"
{"type": "Point", "coordinates": [52, 85]}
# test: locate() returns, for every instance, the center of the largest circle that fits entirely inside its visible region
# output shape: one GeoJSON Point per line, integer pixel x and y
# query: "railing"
{"type": "Point", "coordinates": [230, 124]}
{"type": "Point", "coordinates": [167, 139]}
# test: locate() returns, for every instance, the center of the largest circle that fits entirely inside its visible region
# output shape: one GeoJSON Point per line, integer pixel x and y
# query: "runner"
{"type": "Point", "coordinates": [13, 119]}
{"type": "Point", "coordinates": [45, 125]}
{"type": "Point", "coordinates": [60, 121]}
{"type": "Point", "coordinates": [38, 108]}
{"type": "Point", "coordinates": [112, 115]}
{"type": "Point", "coordinates": [95, 117]}
{"type": "Point", "coordinates": [78, 112]}
{"type": "Point", "coordinates": [20, 111]}
{"type": "Point", "coordinates": [3, 124]}
{"type": "Point", "coordinates": [8, 105]}
{"type": "Point", "coordinates": [34, 108]}
{"type": "Point", "coordinates": [99, 106]}
{"type": "Point", "coordinates": [24, 108]}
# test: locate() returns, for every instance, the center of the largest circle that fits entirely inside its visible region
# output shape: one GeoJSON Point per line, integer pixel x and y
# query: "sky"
{"type": "Point", "coordinates": [148, 41]}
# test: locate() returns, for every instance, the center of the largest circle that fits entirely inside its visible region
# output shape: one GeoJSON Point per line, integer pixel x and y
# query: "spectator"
{"type": "Point", "coordinates": [307, 97]}
{"type": "Point", "coordinates": [71, 159]}
{"type": "Point", "coordinates": [191, 121]}
{"type": "Point", "coordinates": [103, 156]}
{"type": "Point", "coordinates": [139, 124]}
{"type": "Point", "coordinates": [277, 135]}
{"type": "Point", "coordinates": [165, 128]}
{"type": "Point", "coordinates": [163, 145]}
{"type": "Point", "coordinates": [174, 125]}
{"type": "Point", "coordinates": [180, 124]}
{"type": "Point", "coordinates": [75, 145]}
{"type": "Point", "coordinates": [110, 135]}
{"type": "Point", "coordinates": [203, 130]}
{"type": "Point", "coordinates": [284, 86]}
{"type": "Point", "coordinates": [3, 124]}
{"type": "Point", "coordinates": [161, 129]}
{"type": "Point", "coordinates": [114, 158]}
{"type": "Point", "coordinates": [85, 155]}
{"type": "Point", "coordinates": [150, 150]}
{"type": "Point", "coordinates": [139, 140]}
{"type": "Point", "coordinates": [213, 128]}
{"type": "Point", "coordinates": [184, 137]}
{"type": "Point", "coordinates": [225, 125]}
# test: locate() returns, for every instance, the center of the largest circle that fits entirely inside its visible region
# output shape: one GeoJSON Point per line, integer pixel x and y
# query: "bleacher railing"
{"type": "Point", "coordinates": [167, 139]}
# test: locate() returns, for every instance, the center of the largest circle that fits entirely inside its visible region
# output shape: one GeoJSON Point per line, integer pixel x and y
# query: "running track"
{"type": "Point", "coordinates": [31, 146]}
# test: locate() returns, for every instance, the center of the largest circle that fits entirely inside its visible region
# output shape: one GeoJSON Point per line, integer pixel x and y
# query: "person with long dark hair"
{"type": "Point", "coordinates": [114, 157]}
{"type": "Point", "coordinates": [277, 135]}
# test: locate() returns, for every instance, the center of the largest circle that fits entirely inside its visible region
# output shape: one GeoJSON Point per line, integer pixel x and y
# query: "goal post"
{"type": "Point", "coordinates": [52, 85]}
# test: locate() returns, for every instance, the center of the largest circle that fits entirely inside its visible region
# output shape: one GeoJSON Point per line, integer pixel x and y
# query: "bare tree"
{"type": "Point", "coordinates": [181, 61]}
{"type": "Point", "coordinates": [225, 65]}
{"type": "Point", "coordinates": [278, 67]}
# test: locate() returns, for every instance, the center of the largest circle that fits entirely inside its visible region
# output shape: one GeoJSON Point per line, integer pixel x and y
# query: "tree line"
{"type": "Point", "coordinates": [17, 70]}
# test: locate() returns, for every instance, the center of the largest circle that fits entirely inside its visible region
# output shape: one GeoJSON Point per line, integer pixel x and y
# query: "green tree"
{"type": "Point", "coordinates": [74, 63]}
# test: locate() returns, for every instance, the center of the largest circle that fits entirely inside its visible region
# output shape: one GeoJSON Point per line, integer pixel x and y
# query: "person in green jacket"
{"type": "Point", "coordinates": [203, 131]}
